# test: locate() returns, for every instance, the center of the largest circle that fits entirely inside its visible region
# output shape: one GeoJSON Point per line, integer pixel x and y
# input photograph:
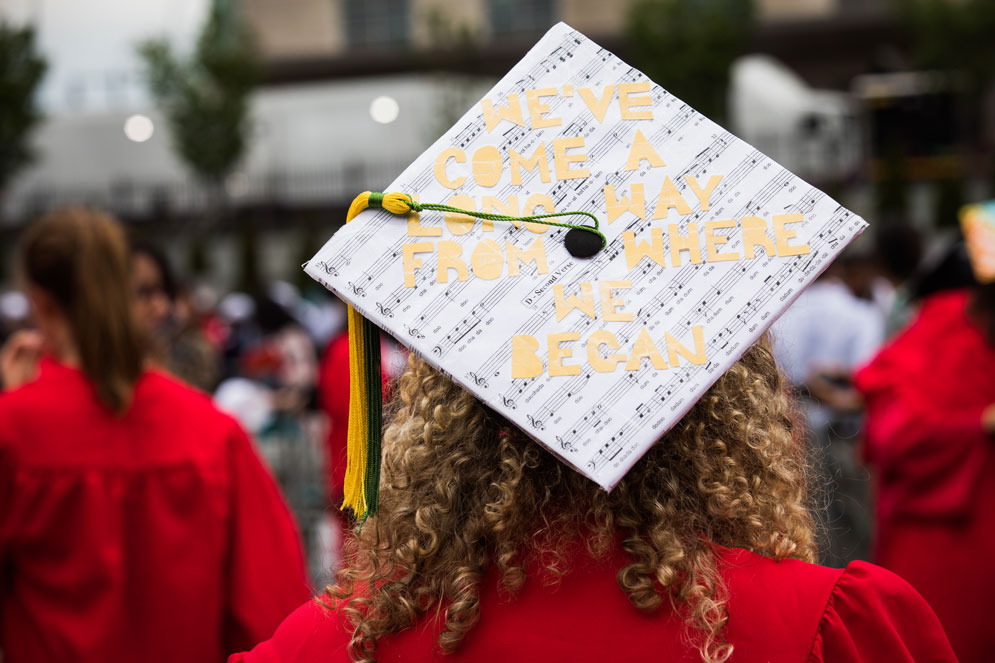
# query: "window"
{"type": "Point", "coordinates": [520, 17]}
{"type": "Point", "coordinates": [377, 23]}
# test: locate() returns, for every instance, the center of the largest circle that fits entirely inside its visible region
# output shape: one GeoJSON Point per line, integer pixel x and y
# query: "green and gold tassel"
{"type": "Point", "coordinates": [362, 476]}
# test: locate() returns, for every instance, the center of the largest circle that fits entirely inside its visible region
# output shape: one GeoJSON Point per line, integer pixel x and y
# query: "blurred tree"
{"type": "Point", "coordinates": [954, 35]}
{"type": "Point", "coordinates": [687, 46]}
{"type": "Point", "coordinates": [205, 99]}
{"type": "Point", "coordinates": [950, 197]}
{"type": "Point", "coordinates": [21, 70]}
{"type": "Point", "coordinates": [457, 92]}
{"type": "Point", "coordinates": [957, 36]}
{"type": "Point", "coordinates": [891, 191]}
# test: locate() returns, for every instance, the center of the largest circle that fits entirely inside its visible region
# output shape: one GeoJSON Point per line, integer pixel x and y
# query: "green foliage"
{"type": "Point", "coordinates": [21, 70]}
{"type": "Point", "coordinates": [891, 191]}
{"type": "Point", "coordinates": [687, 46]}
{"type": "Point", "coordinates": [206, 98]}
{"type": "Point", "coordinates": [950, 198]}
{"type": "Point", "coordinates": [198, 259]}
{"type": "Point", "coordinates": [455, 92]}
{"type": "Point", "coordinates": [954, 35]}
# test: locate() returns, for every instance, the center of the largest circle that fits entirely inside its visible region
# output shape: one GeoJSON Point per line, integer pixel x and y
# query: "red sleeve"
{"type": "Point", "coordinates": [936, 456]}
{"type": "Point", "coordinates": [266, 566]}
{"type": "Point", "coordinates": [312, 634]}
{"type": "Point", "coordinates": [923, 426]}
{"type": "Point", "coordinates": [6, 496]}
{"type": "Point", "coordinates": [333, 395]}
{"type": "Point", "coordinates": [873, 616]}
{"type": "Point", "coordinates": [333, 382]}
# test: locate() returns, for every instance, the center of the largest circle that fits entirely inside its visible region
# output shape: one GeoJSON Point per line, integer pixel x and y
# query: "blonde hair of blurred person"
{"type": "Point", "coordinates": [76, 264]}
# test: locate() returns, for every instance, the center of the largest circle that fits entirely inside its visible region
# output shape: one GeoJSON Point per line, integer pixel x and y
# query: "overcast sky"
{"type": "Point", "coordinates": [90, 46]}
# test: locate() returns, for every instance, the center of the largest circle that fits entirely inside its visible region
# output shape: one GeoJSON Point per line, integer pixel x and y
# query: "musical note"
{"type": "Point", "coordinates": [600, 422]}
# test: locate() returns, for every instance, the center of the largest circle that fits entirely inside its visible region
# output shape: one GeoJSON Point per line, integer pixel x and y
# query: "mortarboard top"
{"type": "Point", "coordinates": [708, 241]}
{"type": "Point", "coordinates": [978, 224]}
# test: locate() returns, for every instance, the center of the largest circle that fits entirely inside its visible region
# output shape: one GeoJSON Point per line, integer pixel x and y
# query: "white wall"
{"type": "Point", "coordinates": [298, 129]}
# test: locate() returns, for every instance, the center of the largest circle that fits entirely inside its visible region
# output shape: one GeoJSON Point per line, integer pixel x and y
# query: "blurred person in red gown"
{"type": "Point", "coordinates": [164, 308]}
{"type": "Point", "coordinates": [137, 522]}
{"type": "Point", "coordinates": [333, 399]}
{"type": "Point", "coordinates": [930, 428]}
{"type": "Point", "coordinates": [490, 549]}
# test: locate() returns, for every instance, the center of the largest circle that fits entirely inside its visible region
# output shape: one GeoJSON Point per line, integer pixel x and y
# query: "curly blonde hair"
{"type": "Point", "coordinates": [462, 491]}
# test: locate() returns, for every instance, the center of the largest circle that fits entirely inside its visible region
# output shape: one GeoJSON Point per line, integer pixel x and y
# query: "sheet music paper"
{"type": "Point", "coordinates": [600, 423]}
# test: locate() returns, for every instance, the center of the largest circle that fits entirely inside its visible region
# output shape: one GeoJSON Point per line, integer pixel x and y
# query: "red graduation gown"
{"type": "Point", "coordinates": [935, 467]}
{"type": "Point", "coordinates": [333, 397]}
{"type": "Point", "coordinates": [155, 536]}
{"type": "Point", "coordinates": [779, 612]}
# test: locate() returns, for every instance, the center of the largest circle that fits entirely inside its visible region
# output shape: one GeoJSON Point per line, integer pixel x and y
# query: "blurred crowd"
{"type": "Point", "coordinates": [852, 346]}
{"type": "Point", "coordinates": [836, 327]}
{"type": "Point", "coordinates": [275, 359]}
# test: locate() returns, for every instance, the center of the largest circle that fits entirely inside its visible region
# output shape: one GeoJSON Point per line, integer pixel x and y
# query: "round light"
{"type": "Point", "coordinates": [138, 128]}
{"type": "Point", "coordinates": [384, 110]}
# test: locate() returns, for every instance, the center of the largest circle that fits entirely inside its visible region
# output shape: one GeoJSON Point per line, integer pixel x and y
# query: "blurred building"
{"type": "Point", "coordinates": [355, 89]}
{"type": "Point", "coordinates": [334, 38]}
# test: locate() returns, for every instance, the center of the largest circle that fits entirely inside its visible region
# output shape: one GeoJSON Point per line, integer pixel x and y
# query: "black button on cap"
{"type": "Point", "coordinates": [582, 243]}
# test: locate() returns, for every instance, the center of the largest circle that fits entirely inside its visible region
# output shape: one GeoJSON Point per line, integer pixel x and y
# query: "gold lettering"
{"type": "Point", "coordinates": [625, 102]}
{"type": "Point", "coordinates": [442, 161]}
{"type": "Point", "coordinates": [537, 160]}
{"type": "Point", "coordinates": [450, 256]}
{"type": "Point", "coordinates": [640, 151]}
{"type": "Point", "coordinates": [754, 235]}
{"type": "Point", "coordinates": [410, 262]}
{"type": "Point", "coordinates": [460, 224]}
{"type": "Point", "coordinates": [610, 304]}
{"type": "Point", "coordinates": [596, 106]}
{"type": "Point", "coordinates": [703, 194]}
{"type": "Point", "coordinates": [643, 348]}
{"type": "Point", "coordinates": [713, 241]}
{"type": "Point", "coordinates": [689, 243]}
{"type": "Point", "coordinates": [487, 165]}
{"type": "Point", "coordinates": [562, 160]}
{"type": "Point", "coordinates": [537, 200]}
{"type": "Point", "coordinates": [783, 235]}
{"type": "Point", "coordinates": [615, 206]}
{"type": "Point", "coordinates": [416, 229]}
{"type": "Point", "coordinates": [557, 354]}
{"type": "Point", "coordinates": [603, 364]}
{"type": "Point", "coordinates": [487, 260]}
{"type": "Point", "coordinates": [636, 251]}
{"type": "Point", "coordinates": [525, 363]}
{"type": "Point", "coordinates": [537, 109]}
{"type": "Point", "coordinates": [675, 348]}
{"type": "Point", "coordinates": [493, 116]}
{"type": "Point", "coordinates": [670, 197]}
{"type": "Point", "coordinates": [534, 254]}
{"type": "Point", "coordinates": [565, 304]}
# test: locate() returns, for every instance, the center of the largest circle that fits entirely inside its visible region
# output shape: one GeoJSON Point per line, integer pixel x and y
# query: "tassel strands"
{"type": "Point", "coordinates": [362, 478]}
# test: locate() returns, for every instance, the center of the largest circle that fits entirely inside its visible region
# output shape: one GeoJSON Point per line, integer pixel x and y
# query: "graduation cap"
{"type": "Point", "coordinates": [978, 224]}
{"type": "Point", "coordinates": [583, 251]}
